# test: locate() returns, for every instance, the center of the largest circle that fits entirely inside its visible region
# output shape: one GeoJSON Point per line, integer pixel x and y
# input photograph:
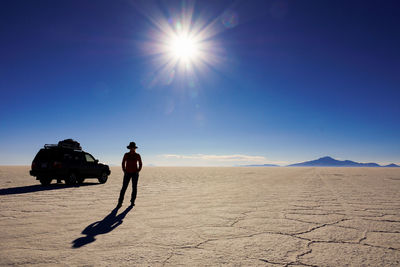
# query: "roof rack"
{"type": "Point", "coordinates": [50, 146]}
{"type": "Point", "coordinates": [66, 146]}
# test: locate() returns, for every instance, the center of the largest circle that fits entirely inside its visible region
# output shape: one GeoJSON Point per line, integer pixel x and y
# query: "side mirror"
{"type": "Point", "coordinates": [96, 161]}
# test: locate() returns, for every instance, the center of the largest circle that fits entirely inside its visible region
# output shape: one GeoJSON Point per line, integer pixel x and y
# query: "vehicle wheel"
{"type": "Point", "coordinates": [71, 179]}
{"type": "Point", "coordinates": [45, 181]}
{"type": "Point", "coordinates": [80, 180]}
{"type": "Point", "coordinates": [103, 178]}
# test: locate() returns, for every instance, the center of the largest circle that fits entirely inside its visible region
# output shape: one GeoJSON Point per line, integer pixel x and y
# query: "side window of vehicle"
{"type": "Point", "coordinates": [77, 157]}
{"type": "Point", "coordinates": [89, 158]}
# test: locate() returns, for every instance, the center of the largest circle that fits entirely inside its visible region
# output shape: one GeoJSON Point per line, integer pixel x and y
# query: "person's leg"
{"type": "Point", "coordinates": [124, 187]}
{"type": "Point", "coordinates": [135, 178]}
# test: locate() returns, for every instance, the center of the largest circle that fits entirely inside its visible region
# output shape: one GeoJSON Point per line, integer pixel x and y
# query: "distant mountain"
{"type": "Point", "coordinates": [260, 165]}
{"type": "Point", "coordinates": [391, 165]}
{"type": "Point", "coordinates": [331, 162]}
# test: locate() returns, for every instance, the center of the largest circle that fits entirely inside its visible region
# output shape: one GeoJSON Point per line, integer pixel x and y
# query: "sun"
{"type": "Point", "coordinates": [184, 47]}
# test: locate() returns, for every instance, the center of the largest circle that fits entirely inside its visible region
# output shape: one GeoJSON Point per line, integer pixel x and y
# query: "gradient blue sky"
{"type": "Point", "coordinates": [290, 81]}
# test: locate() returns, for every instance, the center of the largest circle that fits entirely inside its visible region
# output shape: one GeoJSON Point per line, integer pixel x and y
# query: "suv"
{"type": "Point", "coordinates": [67, 161]}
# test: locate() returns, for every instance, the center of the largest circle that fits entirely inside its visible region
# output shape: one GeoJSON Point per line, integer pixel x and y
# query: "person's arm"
{"type": "Point", "coordinates": [140, 163]}
{"type": "Point", "coordinates": [124, 163]}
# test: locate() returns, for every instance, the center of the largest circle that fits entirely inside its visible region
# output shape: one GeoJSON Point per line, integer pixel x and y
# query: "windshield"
{"type": "Point", "coordinates": [89, 158]}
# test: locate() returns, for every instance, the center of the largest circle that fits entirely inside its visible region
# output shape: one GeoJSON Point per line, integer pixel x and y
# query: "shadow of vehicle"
{"type": "Point", "coordinates": [37, 188]}
{"type": "Point", "coordinates": [109, 223]}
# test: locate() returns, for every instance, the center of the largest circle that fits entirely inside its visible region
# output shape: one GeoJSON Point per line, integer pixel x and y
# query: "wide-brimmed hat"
{"type": "Point", "coordinates": [131, 145]}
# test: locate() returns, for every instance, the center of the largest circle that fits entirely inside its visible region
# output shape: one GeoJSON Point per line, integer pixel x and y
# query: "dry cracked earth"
{"type": "Point", "coordinates": [205, 217]}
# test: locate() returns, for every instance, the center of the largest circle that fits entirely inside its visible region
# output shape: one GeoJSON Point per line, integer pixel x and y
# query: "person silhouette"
{"type": "Point", "coordinates": [131, 165]}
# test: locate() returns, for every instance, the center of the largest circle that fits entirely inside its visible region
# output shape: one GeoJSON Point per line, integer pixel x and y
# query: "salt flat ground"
{"type": "Point", "coordinates": [206, 216]}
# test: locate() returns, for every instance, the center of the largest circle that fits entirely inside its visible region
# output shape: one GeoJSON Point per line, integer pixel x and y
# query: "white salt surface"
{"type": "Point", "coordinates": [205, 216]}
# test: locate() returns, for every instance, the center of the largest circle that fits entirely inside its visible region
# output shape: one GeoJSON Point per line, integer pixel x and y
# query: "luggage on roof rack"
{"type": "Point", "coordinates": [67, 143]}
{"type": "Point", "coordinates": [70, 143]}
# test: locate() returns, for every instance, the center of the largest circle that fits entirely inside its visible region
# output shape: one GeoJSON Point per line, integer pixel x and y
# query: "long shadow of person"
{"type": "Point", "coordinates": [109, 223]}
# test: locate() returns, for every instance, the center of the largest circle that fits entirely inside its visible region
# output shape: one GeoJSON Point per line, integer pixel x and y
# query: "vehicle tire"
{"type": "Point", "coordinates": [45, 181]}
{"type": "Point", "coordinates": [103, 178]}
{"type": "Point", "coordinates": [80, 180]}
{"type": "Point", "coordinates": [71, 179]}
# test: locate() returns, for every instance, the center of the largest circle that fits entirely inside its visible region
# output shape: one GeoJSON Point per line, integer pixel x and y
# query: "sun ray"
{"type": "Point", "coordinates": [182, 47]}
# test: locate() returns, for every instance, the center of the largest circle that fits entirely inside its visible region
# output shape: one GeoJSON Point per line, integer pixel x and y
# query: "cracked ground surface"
{"type": "Point", "coordinates": [206, 216]}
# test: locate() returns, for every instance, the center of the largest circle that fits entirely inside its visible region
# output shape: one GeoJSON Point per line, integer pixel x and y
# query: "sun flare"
{"type": "Point", "coordinates": [184, 47]}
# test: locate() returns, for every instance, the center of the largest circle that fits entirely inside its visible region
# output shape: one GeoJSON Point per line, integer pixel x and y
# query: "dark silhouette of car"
{"type": "Point", "coordinates": [67, 161]}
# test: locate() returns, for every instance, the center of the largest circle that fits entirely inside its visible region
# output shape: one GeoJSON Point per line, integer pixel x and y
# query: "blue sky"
{"type": "Point", "coordinates": [280, 81]}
